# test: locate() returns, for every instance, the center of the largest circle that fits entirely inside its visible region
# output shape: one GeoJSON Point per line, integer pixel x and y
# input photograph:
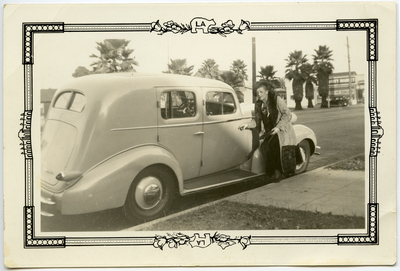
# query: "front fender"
{"type": "Point", "coordinates": [303, 132]}
{"type": "Point", "coordinates": [106, 185]}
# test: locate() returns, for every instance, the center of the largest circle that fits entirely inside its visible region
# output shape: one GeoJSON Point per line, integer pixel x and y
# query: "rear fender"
{"type": "Point", "coordinates": [303, 132]}
{"type": "Point", "coordinates": [106, 185]}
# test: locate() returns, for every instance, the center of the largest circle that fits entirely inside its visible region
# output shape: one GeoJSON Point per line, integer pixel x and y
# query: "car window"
{"type": "Point", "coordinates": [78, 103]}
{"type": "Point", "coordinates": [71, 100]}
{"type": "Point", "coordinates": [63, 100]}
{"type": "Point", "coordinates": [220, 103]}
{"type": "Point", "coordinates": [177, 104]}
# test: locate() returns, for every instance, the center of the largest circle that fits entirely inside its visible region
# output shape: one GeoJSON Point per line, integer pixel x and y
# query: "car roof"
{"type": "Point", "coordinates": [133, 80]}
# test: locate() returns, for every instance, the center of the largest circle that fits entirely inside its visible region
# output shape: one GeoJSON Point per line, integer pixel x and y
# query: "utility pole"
{"type": "Point", "coordinates": [348, 57]}
{"type": "Point", "coordinates": [253, 46]}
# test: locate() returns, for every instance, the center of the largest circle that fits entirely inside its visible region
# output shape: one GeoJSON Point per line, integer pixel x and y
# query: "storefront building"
{"type": "Point", "coordinates": [339, 86]}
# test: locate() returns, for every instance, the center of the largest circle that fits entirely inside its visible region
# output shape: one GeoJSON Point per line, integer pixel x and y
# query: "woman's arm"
{"type": "Point", "coordinates": [285, 114]}
{"type": "Point", "coordinates": [256, 121]}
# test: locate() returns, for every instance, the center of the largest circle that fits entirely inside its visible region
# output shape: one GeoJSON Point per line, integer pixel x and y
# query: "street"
{"type": "Point", "coordinates": [340, 134]}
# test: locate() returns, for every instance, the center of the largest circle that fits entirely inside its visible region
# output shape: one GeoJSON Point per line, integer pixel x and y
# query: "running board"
{"type": "Point", "coordinates": [216, 180]}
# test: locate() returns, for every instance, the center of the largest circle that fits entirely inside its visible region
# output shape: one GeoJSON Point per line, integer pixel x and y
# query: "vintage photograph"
{"type": "Point", "coordinates": [198, 130]}
{"type": "Point", "coordinates": [138, 126]}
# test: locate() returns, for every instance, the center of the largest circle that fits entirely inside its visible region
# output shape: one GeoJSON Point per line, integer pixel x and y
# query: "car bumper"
{"type": "Point", "coordinates": [50, 203]}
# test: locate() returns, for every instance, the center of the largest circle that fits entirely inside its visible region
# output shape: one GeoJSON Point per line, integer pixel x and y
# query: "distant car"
{"type": "Point", "coordinates": [136, 141]}
{"type": "Point", "coordinates": [339, 101]}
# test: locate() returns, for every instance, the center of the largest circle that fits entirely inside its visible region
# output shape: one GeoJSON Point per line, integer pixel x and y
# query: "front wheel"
{"type": "Point", "coordinates": [150, 195]}
{"type": "Point", "coordinates": [305, 154]}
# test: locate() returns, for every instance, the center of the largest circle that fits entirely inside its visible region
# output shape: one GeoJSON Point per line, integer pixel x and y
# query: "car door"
{"type": "Point", "coordinates": [223, 146]}
{"type": "Point", "coordinates": [180, 127]}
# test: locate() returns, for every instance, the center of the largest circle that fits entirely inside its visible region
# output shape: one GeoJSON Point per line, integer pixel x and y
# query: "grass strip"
{"type": "Point", "coordinates": [227, 215]}
{"type": "Point", "coordinates": [355, 163]}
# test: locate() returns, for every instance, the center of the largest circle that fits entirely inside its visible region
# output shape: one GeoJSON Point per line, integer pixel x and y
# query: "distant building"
{"type": "Point", "coordinates": [46, 95]}
{"type": "Point", "coordinates": [339, 86]}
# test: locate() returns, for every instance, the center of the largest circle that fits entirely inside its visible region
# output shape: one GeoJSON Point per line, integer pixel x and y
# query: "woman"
{"type": "Point", "coordinates": [279, 145]}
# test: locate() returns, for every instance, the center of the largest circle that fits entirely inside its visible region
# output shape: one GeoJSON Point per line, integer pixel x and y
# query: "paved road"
{"type": "Point", "coordinates": [340, 134]}
{"type": "Point", "coordinates": [339, 131]}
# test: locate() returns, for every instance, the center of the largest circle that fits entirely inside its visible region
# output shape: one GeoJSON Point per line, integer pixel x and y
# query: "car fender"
{"type": "Point", "coordinates": [106, 185]}
{"type": "Point", "coordinates": [303, 132]}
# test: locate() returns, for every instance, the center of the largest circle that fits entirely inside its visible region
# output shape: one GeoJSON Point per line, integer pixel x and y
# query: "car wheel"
{"type": "Point", "coordinates": [150, 195]}
{"type": "Point", "coordinates": [340, 103]}
{"type": "Point", "coordinates": [305, 154]}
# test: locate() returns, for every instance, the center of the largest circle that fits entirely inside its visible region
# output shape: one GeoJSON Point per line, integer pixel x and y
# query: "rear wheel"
{"type": "Point", "coordinates": [150, 195]}
{"type": "Point", "coordinates": [305, 154]}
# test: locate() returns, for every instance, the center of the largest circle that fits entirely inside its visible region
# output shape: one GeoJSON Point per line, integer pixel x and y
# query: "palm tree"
{"type": "Point", "coordinates": [267, 75]}
{"type": "Point", "coordinates": [323, 68]}
{"type": "Point", "coordinates": [309, 71]}
{"type": "Point", "coordinates": [209, 69]}
{"type": "Point", "coordinates": [81, 71]}
{"type": "Point", "coordinates": [235, 81]}
{"type": "Point", "coordinates": [232, 79]}
{"type": "Point", "coordinates": [282, 83]}
{"type": "Point", "coordinates": [239, 68]}
{"type": "Point", "coordinates": [179, 66]}
{"type": "Point", "coordinates": [114, 57]}
{"type": "Point", "coordinates": [294, 72]}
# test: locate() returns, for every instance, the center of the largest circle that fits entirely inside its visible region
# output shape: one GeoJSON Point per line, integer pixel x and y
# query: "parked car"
{"type": "Point", "coordinates": [137, 141]}
{"type": "Point", "coordinates": [339, 101]}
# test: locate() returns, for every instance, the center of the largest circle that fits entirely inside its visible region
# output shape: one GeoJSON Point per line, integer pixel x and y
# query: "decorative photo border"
{"type": "Point", "coordinates": [207, 26]}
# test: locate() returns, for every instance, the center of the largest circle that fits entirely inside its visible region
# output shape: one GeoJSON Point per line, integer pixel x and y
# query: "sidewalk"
{"type": "Point", "coordinates": [339, 192]}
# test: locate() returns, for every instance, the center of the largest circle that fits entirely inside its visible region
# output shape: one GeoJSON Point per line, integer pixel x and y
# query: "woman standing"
{"type": "Point", "coordinates": [279, 145]}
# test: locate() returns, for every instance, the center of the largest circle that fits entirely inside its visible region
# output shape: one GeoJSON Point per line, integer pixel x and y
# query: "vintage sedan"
{"type": "Point", "coordinates": [138, 141]}
{"type": "Point", "coordinates": [339, 100]}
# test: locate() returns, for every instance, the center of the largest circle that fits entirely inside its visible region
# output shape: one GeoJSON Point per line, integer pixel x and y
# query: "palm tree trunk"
{"type": "Point", "coordinates": [324, 103]}
{"type": "Point", "coordinates": [298, 105]}
{"type": "Point", "coordinates": [310, 104]}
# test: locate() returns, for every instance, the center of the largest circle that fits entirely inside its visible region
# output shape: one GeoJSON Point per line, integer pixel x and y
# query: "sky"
{"type": "Point", "coordinates": [58, 55]}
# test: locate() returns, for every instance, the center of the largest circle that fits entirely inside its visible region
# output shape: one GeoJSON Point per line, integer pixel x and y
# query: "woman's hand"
{"type": "Point", "coordinates": [243, 126]}
{"type": "Point", "coordinates": [274, 131]}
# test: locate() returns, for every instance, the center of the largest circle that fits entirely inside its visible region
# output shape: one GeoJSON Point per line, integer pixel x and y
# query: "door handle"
{"type": "Point", "coordinates": [199, 133]}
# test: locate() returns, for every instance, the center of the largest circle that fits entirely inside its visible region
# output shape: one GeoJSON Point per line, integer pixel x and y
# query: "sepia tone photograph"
{"type": "Point", "coordinates": [197, 130]}
{"type": "Point", "coordinates": [136, 127]}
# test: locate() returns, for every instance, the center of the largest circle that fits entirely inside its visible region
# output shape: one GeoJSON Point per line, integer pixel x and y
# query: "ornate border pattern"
{"type": "Point", "coordinates": [371, 238]}
{"type": "Point", "coordinates": [30, 241]}
{"type": "Point", "coordinates": [29, 29]}
{"type": "Point", "coordinates": [203, 26]}
{"type": "Point", "coordinates": [371, 26]}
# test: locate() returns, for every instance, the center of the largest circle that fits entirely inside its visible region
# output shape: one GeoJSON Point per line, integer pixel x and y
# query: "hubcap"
{"type": "Point", "coordinates": [303, 156]}
{"type": "Point", "coordinates": [148, 192]}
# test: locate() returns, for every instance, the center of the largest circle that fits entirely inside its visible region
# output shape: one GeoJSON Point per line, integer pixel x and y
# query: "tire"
{"type": "Point", "coordinates": [150, 194]}
{"type": "Point", "coordinates": [305, 153]}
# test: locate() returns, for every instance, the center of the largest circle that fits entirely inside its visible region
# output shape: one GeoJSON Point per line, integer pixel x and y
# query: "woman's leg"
{"type": "Point", "coordinates": [275, 153]}
{"type": "Point", "coordinates": [271, 150]}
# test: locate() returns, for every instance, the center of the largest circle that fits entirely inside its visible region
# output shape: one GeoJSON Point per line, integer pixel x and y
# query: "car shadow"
{"type": "Point", "coordinates": [114, 220]}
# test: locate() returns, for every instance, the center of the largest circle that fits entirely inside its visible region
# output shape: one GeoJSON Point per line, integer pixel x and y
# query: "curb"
{"type": "Point", "coordinates": [159, 220]}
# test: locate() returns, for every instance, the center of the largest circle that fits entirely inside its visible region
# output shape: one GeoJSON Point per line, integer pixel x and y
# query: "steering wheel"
{"type": "Point", "coordinates": [190, 109]}
{"type": "Point", "coordinates": [182, 106]}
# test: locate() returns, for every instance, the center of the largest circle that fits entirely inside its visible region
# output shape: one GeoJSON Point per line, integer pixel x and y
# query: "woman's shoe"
{"type": "Point", "coordinates": [269, 177]}
{"type": "Point", "coordinates": [277, 175]}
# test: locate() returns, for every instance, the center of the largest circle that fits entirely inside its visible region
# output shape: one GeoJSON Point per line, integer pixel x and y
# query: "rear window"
{"type": "Point", "coordinates": [63, 100]}
{"type": "Point", "coordinates": [71, 100]}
